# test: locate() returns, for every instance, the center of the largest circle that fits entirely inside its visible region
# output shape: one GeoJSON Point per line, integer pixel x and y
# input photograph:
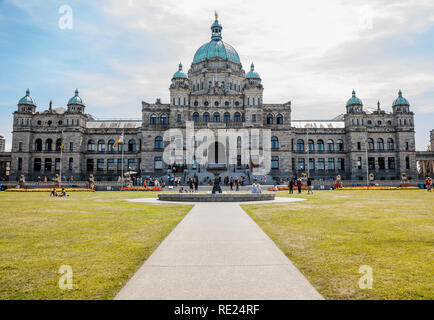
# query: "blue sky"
{"type": "Point", "coordinates": [313, 53]}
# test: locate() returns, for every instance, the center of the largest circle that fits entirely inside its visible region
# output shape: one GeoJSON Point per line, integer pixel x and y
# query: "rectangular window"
{"type": "Point", "coordinates": [407, 147]}
{"type": "Point", "coordinates": [48, 165]}
{"type": "Point", "coordinates": [132, 164]}
{"type": "Point", "coordinates": [331, 164]}
{"type": "Point", "coordinates": [381, 163]}
{"type": "Point", "coordinates": [57, 164]}
{"type": "Point", "coordinates": [71, 146]}
{"type": "Point", "coordinates": [100, 165]}
{"type": "Point", "coordinates": [359, 146]}
{"type": "Point", "coordinates": [253, 117]}
{"type": "Point", "coordinates": [120, 164]}
{"type": "Point", "coordinates": [359, 163]}
{"type": "Point", "coordinates": [274, 162]}
{"type": "Point", "coordinates": [20, 164]}
{"type": "Point", "coordinates": [371, 163]}
{"type": "Point", "coordinates": [158, 163]}
{"type": "Point", "coordinates": [321, 164]}
{"type": "Point", "coordinates": [37, 166]}
{"type": "Point", "coordinates": [311, 164]}
{"type": "Point", "coordinates": [90, 165]}
{"type": "Point", "coordinates": [111, 165]}
{"type": "Point", "coordinates": [20, 147]}
{"type": "Point", "coordinates": [391, 163]}
{"type": "Point", "coordinates": [407, 163]}
{"type": "Point", "coordinates": [300, 164]}
{"type": "Point", "coordinates": [341, 164]}
{"type": "Point", "coordinates": [179, 118]}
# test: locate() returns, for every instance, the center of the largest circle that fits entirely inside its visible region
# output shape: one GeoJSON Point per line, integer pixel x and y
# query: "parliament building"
{"type": "Point", "coordinates": [216, 93]}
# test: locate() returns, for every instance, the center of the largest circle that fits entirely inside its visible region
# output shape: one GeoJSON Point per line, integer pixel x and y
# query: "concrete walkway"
{"type": "Point", "coordinates": [217, 252]}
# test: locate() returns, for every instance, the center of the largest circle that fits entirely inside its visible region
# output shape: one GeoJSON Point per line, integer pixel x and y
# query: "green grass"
{"type": "Point", "coordinates": [103, 239]}
{"type": "Point", "coordinates": [332, 234]}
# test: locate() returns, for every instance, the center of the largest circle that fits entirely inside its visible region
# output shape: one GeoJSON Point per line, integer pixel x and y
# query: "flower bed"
{"type": "Point", "coordinates": [50, 189]}
{"type": "Point", "coordinates": [142, 189]}
{"type": "Point", "coordinates": [378, 188]}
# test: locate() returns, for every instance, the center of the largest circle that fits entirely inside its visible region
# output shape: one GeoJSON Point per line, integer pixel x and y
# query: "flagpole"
{"type": "Point", "coordinates": [61, 160]}
{"type": "Point", "coordinates": [308, 154]}
{"type": "Point", "coordinates": [367, 162]}
{"type": "Point", "coordinates": [123, 164]}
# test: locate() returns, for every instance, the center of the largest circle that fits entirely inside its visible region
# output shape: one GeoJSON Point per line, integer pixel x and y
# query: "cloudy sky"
{"type": "Point", "coordinates": [313, 53]}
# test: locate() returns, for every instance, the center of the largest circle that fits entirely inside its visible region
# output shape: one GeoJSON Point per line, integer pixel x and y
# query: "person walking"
{"type": "Point", "coordinates": [309, 186]}
{"type": "Point", "coordinates": [196, 183]}
{"type": "Point", "coordinates": [237, 184]}
{"type": "Point", "coordinates": [291, 186]}
{"type": "Point", "coordinates": [299, 186]}
{"type": "Point", "coordinates": [190, 183]}
{"type": "Point", "coordinates": [428, 184]}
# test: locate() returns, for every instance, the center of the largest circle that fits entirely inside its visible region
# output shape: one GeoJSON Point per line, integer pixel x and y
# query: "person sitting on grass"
{"type": "Point", "coordinates": [64, 194]}
{"type": "Point", "coordinates": [53, 193]}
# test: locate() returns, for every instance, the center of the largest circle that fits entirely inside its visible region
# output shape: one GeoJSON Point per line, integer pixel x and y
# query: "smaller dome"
{"type": "Point", "coordinates": [27, 99]}
{"type": "Point", "coordinates": [76, 99]}
{"type": "Point", "coordinates": [354, 100]}
{"type": "Point", "coordinates": [179, 73]}
{"type": "Point", "coordinates": [252, 73]}
{"type": "Point", "coordinates": [400, 101]}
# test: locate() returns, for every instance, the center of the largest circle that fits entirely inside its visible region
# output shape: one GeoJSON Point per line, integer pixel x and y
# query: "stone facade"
{"type": "Point", "coordinates": [2, 144]}
{"type": "Point", "coordinates": [215, 94]}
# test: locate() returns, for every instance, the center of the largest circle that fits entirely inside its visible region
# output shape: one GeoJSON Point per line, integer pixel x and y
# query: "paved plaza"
{"type": "Point", "coordinates": [218, 252]}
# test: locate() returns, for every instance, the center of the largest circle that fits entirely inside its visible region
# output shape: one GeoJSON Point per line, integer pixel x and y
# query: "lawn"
{"type": "Point", "coordinates": [104, 240]}
{"type": "Point", "coordinates": [332, 234]}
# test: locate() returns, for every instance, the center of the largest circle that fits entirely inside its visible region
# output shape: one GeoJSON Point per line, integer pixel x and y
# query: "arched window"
{"type": "Point", "coordinates": [380, 143]}
{"type": "Point", "coordinates": [158, 143]}
{"type": "Point", "coordinates": [132, 147]}
{"type": "Point", "coordinates": [330, 146]}
{"type": "Point", "coordinates": [274, 143]}
{"type": "Point", "coordinates": [153, 120]}
{"type": "Point", "coordinates": [49, 145]}
{"type": "Point", "coordinates": [163, 119]}
{"type": "Point", "coordinates": [38, 145]}
{"type": "Point", "coordinates": [206, 117]}
{"type": "Point", "coordinates": [91, 146]}
{"type": "Point", "coordinates": [270, 119]}
{"type": "Point", "coordinates": [196, 117]}
{"type": "Point", "coordinates": [390, 144]}
{"type": "Point", "coordinates": [279, 119]}
{"type": "Point", "coordinates": [227, 117]}
{"type": "Point", "coordinates": [340, 145]}
{"type": "Point", "coordinates": [237, 117]}
{"type": "Point", "coordinates": [320, 145]}
{"type": "Point", "coordinates": [300, 145]}
{"type": "Point", "coordinates": [101, 146]}
{"type": "Point", "coordinates": [216, 117]}
{"type": "Point", "coordinates": [111, 147]}
{"type": "Point", "coordinates": [311, 146]}
{"type": "Point", "coordinates": [58, 144]}
{"type": "Point", "coordinates": [371, 144]}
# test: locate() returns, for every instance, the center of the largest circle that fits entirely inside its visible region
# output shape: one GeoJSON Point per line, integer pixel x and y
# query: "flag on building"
{"type": "Point", "coordinates": [120, 140]}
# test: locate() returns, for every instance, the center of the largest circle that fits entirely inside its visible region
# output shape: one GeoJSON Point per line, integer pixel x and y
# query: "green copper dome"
{"type": "Point", "coordinates": [216, 47]}
{"type": "Point", "coordinates": [76, 99]}
{"type": "Point", "coordinates": [252, 73]}
{"type": "Point", "coordinates": [27, 99]}
{"type": "Point", "coordinates": [401, 101]}
{"type": "Point", "coordinates": [179, 73]}
{"type": "Point", "coordinates": [354, 100]}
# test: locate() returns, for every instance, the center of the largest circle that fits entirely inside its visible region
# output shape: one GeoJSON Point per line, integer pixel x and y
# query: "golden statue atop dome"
{"type": "Point", "coordinates": [216, 15]}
